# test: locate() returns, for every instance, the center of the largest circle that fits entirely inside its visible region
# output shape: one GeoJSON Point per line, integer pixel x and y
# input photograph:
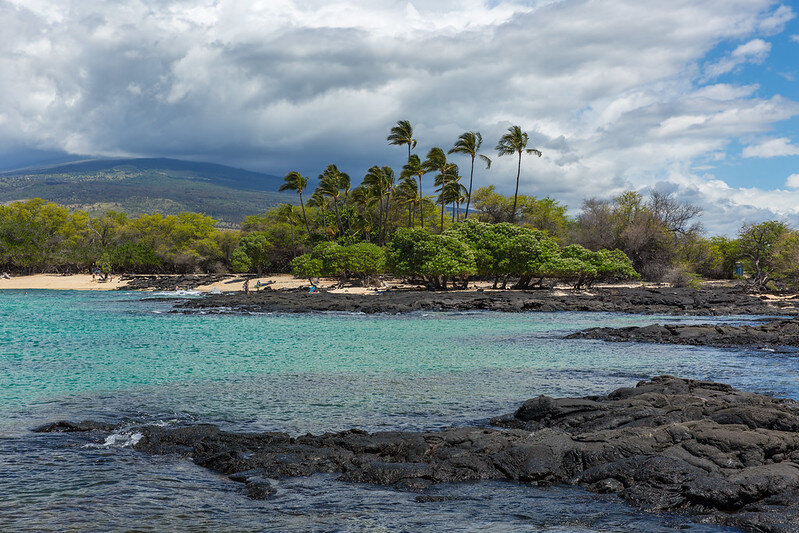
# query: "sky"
{"type": "Point", "coordinates": [698, 99]}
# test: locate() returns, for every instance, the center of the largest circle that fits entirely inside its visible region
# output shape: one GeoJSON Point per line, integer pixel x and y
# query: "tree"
{"type": "Point", "coordinates": [364, 260]}
{"type": "Point", "coordinates": [407, 193]}
{"type": "Point", "coordinates": [757, 242]}
{"type": "Point", "coordinates": [251, 253]}
{"type": "Point", "coordinates": [515, 142]}
{"type": "Point", "coordinates": [380, 181]}
{"type": "Point", "coordinates": [294, 181]}
{"type": "Point", "coordinates": [332, 182]}
{"type": "Point", "coordinates": [491, 206]}
{"type": "Point", "coordinates": [469, 143]}
{"type": "Point", "coordinates": [437, 162]}
{"type": "Point", "coordinates": [415, 167]}
{"type": "Point", "coordinates": [401, 134]}
{"type": "Point", "coordinates": [434, 258]}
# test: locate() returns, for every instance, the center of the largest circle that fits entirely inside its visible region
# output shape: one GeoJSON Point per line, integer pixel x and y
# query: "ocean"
{"type": "Point", "coordinates": [122, 357]}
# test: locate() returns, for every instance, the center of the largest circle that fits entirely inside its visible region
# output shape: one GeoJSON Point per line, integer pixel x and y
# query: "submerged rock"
{"type": "Point", "coordinates": [65, 426]}
{"type": "Point", "coordinates": [775, 334]}
{"type": "Point", "coordinates": [667, 444]}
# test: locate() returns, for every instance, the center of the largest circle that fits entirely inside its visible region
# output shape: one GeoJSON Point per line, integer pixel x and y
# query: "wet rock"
{"type": "Point", "coordinates": [672, 301]}
{"type": "Point", "coordinates": [64, 426]}
{"type": "Point", "coordinates": [667, 444]}
{"type": "Point", "coordinates": [773, 335]}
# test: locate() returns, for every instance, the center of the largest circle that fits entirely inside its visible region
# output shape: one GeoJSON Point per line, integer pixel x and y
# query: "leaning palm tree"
{"type": "Point", "coordinates": [407, 193]}
{"type": "Point", "coordinates": [444, 180]}
{"type": "Point", "coordinates": [294, 181]}
{"type": "Point", "coordinates": [332, 182]}
{"type": "Point", "coordinates": [401, 134]}
{"type": "Point", "coordinates": [454, 193]}
{"type": "Point", "coordinates": [515, 142]}
{"type": "Point", "coordinates": [318, 199]}
{"type": "Point", "coordinates": [469, 143]}
{"type": "Point", "coordinates": [415, 167]}
{"type": "Point", "coordinates": [437, 162]}
{"type": "Point", "coordinates": [380, 181]}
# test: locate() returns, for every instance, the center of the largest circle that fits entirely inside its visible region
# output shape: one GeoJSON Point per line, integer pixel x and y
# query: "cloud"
{"type": "Point", "coordinates": [754, 51]}
{"type": "Point", "coordinates": [792, 181]}
{"type": "Point", "coordinates": [771, 148]}
{"type": "Point", "coordinates": [614, 93]}
{"type": "Point", "coordinates": [795, 38]}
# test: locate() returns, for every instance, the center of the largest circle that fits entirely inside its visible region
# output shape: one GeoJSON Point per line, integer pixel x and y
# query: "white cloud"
{"type": "Point", "coordinates": [792, 181]}
{"type": "Point", "coordinates": [612, 92]}
{"type": "Point", "coordinates": [754, 51]}
{"type": "Point", "coordinates": [771, 148]}
{"type": "Point", "coordinates": [795, 38]}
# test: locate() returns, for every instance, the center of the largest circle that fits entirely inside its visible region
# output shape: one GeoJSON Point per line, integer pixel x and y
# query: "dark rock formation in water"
{"type": "Point", "coordinates": [667, 444]}
{"type": "Point", "coordinates": [157, 282]}
{"type": "Point", "coordinates": [774, 335]}
{"type": "Point", "coordinates": [671, 301]}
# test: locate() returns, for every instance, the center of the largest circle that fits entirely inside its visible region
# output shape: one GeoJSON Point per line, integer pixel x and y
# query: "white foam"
{"type": "Point", "coordinates": [122, 439]}
{"type": "Point", "coordinates": [177, 293]}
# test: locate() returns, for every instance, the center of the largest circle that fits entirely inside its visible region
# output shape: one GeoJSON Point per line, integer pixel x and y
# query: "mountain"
{"type": "Point", "coordinates": [149, 185]}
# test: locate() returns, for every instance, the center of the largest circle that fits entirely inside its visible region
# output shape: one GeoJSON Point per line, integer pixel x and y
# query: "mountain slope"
{"type": "Point", "coordinates": [147, 186]}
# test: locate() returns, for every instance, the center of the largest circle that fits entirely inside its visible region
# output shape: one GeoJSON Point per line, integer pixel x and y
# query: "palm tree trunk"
{"type": "Point", "coordinates": [421, 203]}
{"type": "Point", "coordinates": [516, 194]}
{"type": "Point", "coordinates": [305, 218]}
{"type": "Point", "coordinates": [338, 217]}
{"type": "Point", "coordinates": [380, 221]}
{"type": "Point", "coordinates": [385, 224]}
{"type": "Point", "coordinates": [410, 212]}
{"type": "Point", "coordinates": [442, 215]}
{"type": "Point", "coordinates": [469, 197]}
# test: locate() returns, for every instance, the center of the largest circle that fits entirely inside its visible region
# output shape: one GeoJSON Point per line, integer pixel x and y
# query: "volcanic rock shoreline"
{"type": "Point", "coordinates": [777, 335]}
{"type": "Point", "coordinates": [669, 444]}
{"type": "Point", "coordinates": [667, 301]}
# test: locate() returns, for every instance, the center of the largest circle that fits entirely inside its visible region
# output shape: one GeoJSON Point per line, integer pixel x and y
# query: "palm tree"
{"type": "Point", "coordinates": [332, 182]}
{"type": "Point", "coordinates": [407, 193]}
{"type": "Point", "coordinates": [454, 193]}
{"type": "Point", "coordinates": [319, 200]}
{"type": "Point", "coordinates": [515, 142]}
{"type": "Point", "coordinates": [380, 181]}
{"type": "Point", "coordinates": [294, 181]}
{"type": "Point", "coordinates": [415, 167]}
{"type": "Point", "coordinates": [469, 143]}
{"type": "Point", "coordinates": [437, 162]}
{"type": "Point", "coordinates": [401, 134]}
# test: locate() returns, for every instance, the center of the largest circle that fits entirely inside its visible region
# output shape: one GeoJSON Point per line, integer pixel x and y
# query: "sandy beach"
{"type": "Point", "coordinates": [232, 283]}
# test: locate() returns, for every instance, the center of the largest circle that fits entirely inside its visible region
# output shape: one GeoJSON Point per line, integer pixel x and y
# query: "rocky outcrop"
{"type": "Point", "coordinates": [727, 456]}
{"type": "Point", "coordinates": [773, 335]}
{"type": "Point", "coordinates": [671, 301]}
{"type": "Point", "coordinates": [156, 282]}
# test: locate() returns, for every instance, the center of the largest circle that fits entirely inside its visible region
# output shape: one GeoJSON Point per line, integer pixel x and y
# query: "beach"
{"type": "Point", "coordinates": [229, 283]}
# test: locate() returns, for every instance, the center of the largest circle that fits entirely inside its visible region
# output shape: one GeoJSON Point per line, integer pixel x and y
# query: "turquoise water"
{"type": "Point", "coordinates": [122, 357]}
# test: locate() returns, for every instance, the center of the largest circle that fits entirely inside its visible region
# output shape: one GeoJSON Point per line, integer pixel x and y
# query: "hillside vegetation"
{"type": "Point", "coordinates": [146, 186]}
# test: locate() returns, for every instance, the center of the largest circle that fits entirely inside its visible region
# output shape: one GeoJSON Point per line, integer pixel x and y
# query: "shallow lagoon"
{"type": "Point", "coordinates": [123, 357]}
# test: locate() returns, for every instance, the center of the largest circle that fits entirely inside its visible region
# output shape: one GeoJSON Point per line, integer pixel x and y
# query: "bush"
{"type": "Point", "coordinates": [436, 259]}
{"type": "Point", "coordinates": [306, 266]}
{"type": "Point", "coordinates": [364, 259]}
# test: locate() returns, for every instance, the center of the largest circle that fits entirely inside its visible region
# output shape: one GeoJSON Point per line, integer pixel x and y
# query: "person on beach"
{"type": "Point", "coordinates": [246, 286]}
{"type": "Point", "coordinates": [258, 286]}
